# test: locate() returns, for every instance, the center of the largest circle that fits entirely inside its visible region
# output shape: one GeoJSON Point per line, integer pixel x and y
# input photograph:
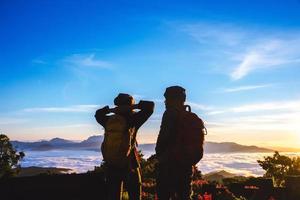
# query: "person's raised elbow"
{"type": "Point", "coordinates": [147, 105]}
{"type": "Point", "coordinates": [151, 106]}
{"type": "Point", "coordinates": [100, 113]}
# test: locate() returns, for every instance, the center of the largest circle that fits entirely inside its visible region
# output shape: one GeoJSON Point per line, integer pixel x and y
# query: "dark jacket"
{"type": "Point", "coordinates": [167, 134]}
{"type": "Point", "coordinates": [134, 120]}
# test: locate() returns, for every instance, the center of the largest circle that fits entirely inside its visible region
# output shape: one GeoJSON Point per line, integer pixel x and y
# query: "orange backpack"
{"type": "Point", "coordinates": [116, 145]}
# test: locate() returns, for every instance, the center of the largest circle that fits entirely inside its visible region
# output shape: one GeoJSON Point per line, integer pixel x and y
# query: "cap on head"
{"type": "Point", "coordinates": [123, 99]}
{"type": "Point", "coordinates": [175, 92]}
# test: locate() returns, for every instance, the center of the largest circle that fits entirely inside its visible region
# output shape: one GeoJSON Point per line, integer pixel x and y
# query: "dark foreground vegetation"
{"type": "Point", "coordinates": [91, 186]}
{"type": "Point", "coordinates": [219, 187]}
{"type": "Point", "coordinates": [280, 182]}
{"type": "Point", "coordinates": [53, 187]}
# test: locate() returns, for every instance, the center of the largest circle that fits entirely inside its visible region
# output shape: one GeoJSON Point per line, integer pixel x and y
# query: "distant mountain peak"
{"type": "Point", "coordinates": [218, 175]}
{"type": "Point", "coordinates": [93, 138]}
{"type": "Point", "coordinates": [221, 173]}
{"type": "Point", "coordinates": [60, 141]}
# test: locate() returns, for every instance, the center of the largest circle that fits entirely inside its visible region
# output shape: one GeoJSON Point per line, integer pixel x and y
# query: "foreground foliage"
{"type": "Point", "coordinates": [9, 158]}
{"type": "Point", "coordinates": [279, 166]}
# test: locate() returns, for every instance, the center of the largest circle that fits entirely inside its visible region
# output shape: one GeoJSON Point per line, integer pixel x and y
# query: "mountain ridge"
{"type": "Point", "coordinates": [94, 143]}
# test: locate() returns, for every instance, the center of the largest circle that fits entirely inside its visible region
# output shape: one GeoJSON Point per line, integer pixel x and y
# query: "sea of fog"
{"type": "Point", "coordinates": [82, 161]}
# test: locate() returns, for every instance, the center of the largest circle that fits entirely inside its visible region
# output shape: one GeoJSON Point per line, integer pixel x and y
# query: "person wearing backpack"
{"type": "Point", "coordinates": [120, 156]}
{"type": "Point", "coordinates": [179, 146]}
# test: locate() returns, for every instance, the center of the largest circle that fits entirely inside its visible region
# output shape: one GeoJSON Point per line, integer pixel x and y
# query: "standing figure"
{"type": "Point", "coordinates": [121, 159]}
{"type": "Point", "coordinates": [179, 146]}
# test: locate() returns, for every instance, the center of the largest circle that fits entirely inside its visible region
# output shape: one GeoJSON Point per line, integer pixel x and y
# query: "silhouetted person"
{"type": "Point", "coordinates": [179, 146]}
{"type": "Point", "coordinates": [119, 146]}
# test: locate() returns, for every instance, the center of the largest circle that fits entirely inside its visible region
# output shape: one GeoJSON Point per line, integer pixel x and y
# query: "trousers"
{"type": "Point", "coordinates": [118, 179]}
{"type": "Point", "coordinates": [173, 182]}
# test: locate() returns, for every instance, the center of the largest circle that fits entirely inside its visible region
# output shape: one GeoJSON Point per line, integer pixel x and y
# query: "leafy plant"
{"type": "Point", "coordinates": [9, 158]}
{"type": "Point", "coordinates": [279, 166]}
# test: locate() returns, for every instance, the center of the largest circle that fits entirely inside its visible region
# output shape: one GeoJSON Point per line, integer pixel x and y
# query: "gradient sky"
{"type": "Point", "coordinates": [238, 60]}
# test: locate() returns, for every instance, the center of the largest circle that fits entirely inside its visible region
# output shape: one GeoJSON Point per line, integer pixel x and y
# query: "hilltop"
{"type": "Point", "coordinates": [33, 171]}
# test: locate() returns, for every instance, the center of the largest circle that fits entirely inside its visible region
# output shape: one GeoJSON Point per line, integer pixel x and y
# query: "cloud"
{"type": "Point", "coordinates": [270, 53]}
{"type": "Point", "coordinates": [64, 127]}
{"type": "Point", "coordinates": [278, 105]}
{"type": "Point", "coordinates": [274, 123]}
{"type": "Point", "coordinates": [247, 65]}
{"type": "Point", "coordinates": [253, 121]}
{"type": "Point", "coordinates": [39, 61]}
{"type": "Point", "coordinates": [245, 50]}
{"type": "Point", "coordinates": [137, 97]}
{"type": "Point", "coordinates": [158, 100]}
{"type": "Point", "coordinates": [277, 129]}
{"type": "Point", "coordinates": [237, 163]}
{"type": "Point", "coordinates": [9, 121]}
{"type": "Point", "coordinates": [246, 88]}
{"type": "Point", "coordinates": [217, 32]}
{"type": "Point", "coordinates": [198, 106]}
{"type": "Point", "coordinates": [79, 163]}
{"type": "Point", "coordinates": [87, 61]}
{"type": "Point", "coordinates": [284, 122]}
{"type": "Point", "coordinates": [75, 108]}
{"type": "Point", "coordinates": [256, 107]}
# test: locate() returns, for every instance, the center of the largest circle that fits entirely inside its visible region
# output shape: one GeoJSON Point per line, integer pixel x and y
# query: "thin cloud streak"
{"type": "Point", "coordinates": [39, 61]}
{"type": "Point", "coordinates": [88, 61]}
{"type": "Point", "coordinates": [271, 53]}
{"type": "Point", "coordinates": [207, 32]}
{"type": "Point", "coordinates": [67, 109]}
{"type": "Point", "coordinates": [288, 105]}
{"type": "Point", "coordinates": [267, 106]}
{"type": "Point", "coordinates": [66, 126]}
{"type": "Point", "coordinates": [246, 88]}
{"type": "Point", "coordinates": [198, 106]}
{"type": "Point", "coordinates": [246, 50]}
{"type": "Point", "coordinates": [277, 124]}
{"type": "Point", "coordinates": [10, 121]}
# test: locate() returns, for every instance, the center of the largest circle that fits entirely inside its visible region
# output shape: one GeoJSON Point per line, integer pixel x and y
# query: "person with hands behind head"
{"type": "Point", "coordinates": [119, 151]}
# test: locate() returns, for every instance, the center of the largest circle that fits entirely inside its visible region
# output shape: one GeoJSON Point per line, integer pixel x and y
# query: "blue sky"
{"type": "Point", "coordinates": [239, 61]}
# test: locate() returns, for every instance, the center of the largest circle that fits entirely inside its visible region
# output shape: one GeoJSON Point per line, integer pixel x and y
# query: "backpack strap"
{"type": "Point", "coordinates": [187, 108]}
